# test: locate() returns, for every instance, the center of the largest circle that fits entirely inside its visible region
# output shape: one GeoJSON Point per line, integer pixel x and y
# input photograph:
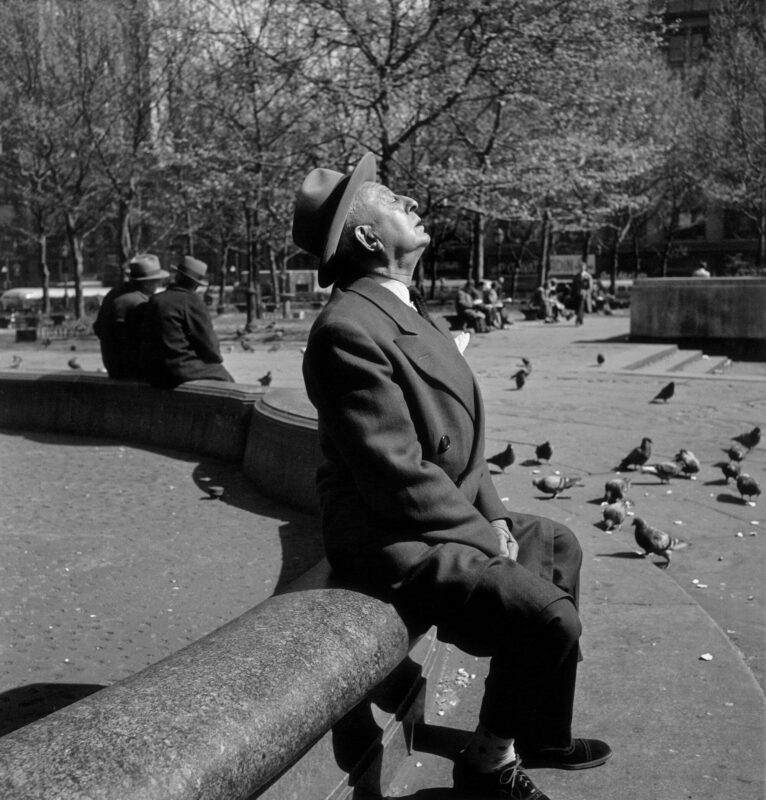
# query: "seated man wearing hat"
{"type": "Point", "coordinates": [408, 508]}
{"type": "Point", "coordinates": [178, 343]}
{"type": "Point", "coordinates": [118, 324]}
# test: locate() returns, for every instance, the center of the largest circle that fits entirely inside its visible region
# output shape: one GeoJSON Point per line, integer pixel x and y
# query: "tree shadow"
{"type": "Point", "coordinates": [26, 704]}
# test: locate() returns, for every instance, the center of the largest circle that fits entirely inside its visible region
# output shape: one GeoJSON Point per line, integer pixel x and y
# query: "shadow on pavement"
{"type": "Point", "coordinates": [26, 704]}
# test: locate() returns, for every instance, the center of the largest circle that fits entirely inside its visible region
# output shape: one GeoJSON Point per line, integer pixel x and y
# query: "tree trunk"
{"type": "Point", "coordinates": [480, 224]}
{"type": "Point", "coordinates": [636, 255]}
{"type": "Point", "coordinates": [45, 272]}
{"type": "Point", "coordinates": [275, 289]}
{"type": "Point", "coordinates": [76, 244]}
{"type": "Point", "coordinates": [586, 245]}
{"type": "Point", "coordinates": [545, 244]}
{"type": "Point", "coordinates": [250, 295]}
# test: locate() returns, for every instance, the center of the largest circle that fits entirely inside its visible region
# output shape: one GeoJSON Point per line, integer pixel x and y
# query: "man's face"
{"type": "Point", "coordinates": [395, 222]}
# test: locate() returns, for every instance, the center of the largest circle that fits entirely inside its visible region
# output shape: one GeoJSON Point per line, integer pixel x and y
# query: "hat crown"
{"type": "Point", "coordinates": [145, 266]}
{"type": "Point", "coordinates": [193, 268]}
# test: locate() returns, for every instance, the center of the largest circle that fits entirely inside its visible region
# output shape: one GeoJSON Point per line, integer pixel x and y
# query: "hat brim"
{"type": "Point", "coordinates": [364, 171]}
{"type": "Point", "coordinates": [190, 277]}
{"type": "Point", "coordinates": [156, 277]}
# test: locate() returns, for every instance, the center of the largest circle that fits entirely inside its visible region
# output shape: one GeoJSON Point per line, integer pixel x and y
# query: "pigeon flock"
{"type": "Point", "coordinates": [617, 505]}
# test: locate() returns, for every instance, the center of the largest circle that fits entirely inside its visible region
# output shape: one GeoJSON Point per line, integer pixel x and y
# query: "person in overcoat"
{"type": "Point", "coordinates": [118, 322]}
{"type": "Point", "coordinates": [178, 343]}
{"type": "Point", "coordinates": [408, 507]}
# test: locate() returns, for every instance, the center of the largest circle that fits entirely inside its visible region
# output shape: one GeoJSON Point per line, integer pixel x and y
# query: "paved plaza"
{"type": "Point", "coordinates": [111, 556]}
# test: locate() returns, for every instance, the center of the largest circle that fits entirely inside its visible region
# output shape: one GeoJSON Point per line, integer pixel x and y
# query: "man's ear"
{"type": "Point", "coordinates": [367, 238]}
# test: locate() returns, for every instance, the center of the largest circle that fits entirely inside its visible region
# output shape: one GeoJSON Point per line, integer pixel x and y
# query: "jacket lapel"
{"type": "Point", "coordinates": [432, 352]}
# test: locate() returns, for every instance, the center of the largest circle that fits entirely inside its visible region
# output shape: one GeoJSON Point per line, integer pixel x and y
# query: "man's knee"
{"type": "Point", "coordinates": [566, 547]}
{"type": "Point", "coordinates": [563, 622]}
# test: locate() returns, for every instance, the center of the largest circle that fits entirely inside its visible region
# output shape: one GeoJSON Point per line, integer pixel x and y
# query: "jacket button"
{"type": "Point", "coordinates": [444, 444]}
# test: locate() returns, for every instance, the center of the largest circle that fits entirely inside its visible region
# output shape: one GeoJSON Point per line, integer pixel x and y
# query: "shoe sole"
{"type": "Point", "coordinates": [542, 763]}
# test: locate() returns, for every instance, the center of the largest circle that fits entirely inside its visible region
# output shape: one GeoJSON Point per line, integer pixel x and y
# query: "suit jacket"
{"type": "Point", "coordinates": [178, 343]}
{"type": "Point", "coordinates": [404, 485]}
{"type": "Point", "coordinates": [118, 327]}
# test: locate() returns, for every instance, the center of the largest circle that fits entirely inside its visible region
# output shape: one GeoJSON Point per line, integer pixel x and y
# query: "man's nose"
{"type": "Point", "coordinates": [409, 203]}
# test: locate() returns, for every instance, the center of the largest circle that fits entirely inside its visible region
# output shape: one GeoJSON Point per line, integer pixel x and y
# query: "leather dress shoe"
{"type": "Point", "coordinates": [509, 782]}
{"type": "Point", "coordinates": [581, 754]}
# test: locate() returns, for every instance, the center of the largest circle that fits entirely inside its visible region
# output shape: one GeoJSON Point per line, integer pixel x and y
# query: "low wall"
{"type": "Point", "coordinates": [211, 418]}
{"type": "Point", "coordinates": [282, 450]}
{"type": "Point", "coordinates": [713, 313]}
{"type": "Point", "coordinates": [311, 694]}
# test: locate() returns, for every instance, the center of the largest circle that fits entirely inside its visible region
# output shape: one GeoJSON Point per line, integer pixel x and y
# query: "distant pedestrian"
{"type": "Point", "coordinates": [702, 271]}
{"type": "Point", "coordinates": [582, 286]}
{"type": "Point", "coordinates": [178, 343]}
{"type": "Point", "coordinates": [118, 324]}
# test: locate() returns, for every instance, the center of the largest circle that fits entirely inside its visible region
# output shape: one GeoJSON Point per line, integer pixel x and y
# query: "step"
{"type": "Point", "coordinates": [640, 356]}
{"type": "Point", "coordinates": [707, 365]}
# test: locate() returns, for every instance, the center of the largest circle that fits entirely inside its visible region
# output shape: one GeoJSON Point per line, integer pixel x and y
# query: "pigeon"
{"type": "Point", "coordinates": [665, 393]}
{"type": "Point", "coordinates": [616, 489]}
{"type": "Point", "coordinates": [74, 363]}
{"type": "Point", "coordinates": [614, 514]}
{"type": "Point", "coordinates": [246, 346]}
{"type": "Point", "coordinates": [689, 463]}
{"type": "Point", "coordinates": [664, 470]}
{"type": "Point", "coordinates": [520, 377]}
{"type": "Point", "coordinates": [527, 365]}
{"type": "Point", "coordinates": [736, 452]}
{"type": "Point", "coordinates": [46, 342]}
{"type": "Point", "coordinates": [749, 439]}
{"type": "Point", "coordinates": [504, 458]}
{"type": "Point", "coordinates": [600, 359]}
{"type": "Point", "coordinates": [653, 540]}
{"type": "Point", "coordinates": [277, 336]}
{"type": "Point", "coordinates": [16, 362]}
{"type": "Point", "coordinates": [747, 486]}
{"type": "Point", "coordinates": [638, 456]}
{"type": "Point", "coordinates": [731, 469]}
{"type": "Point", "coordinates": [544, 451]}
{"type": "Point", "coordinates": [265, 380]}
{"type": "Point", "coordinates": [554, 484]}
{"type": "Point", "coordinates": [274, 347]}
{"type": "Point", "coordinates": [215, 492]}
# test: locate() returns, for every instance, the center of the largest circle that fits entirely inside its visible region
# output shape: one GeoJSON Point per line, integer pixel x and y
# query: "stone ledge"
{"type": "Point", "coordinates": [206, 417]}
{"type": "Point", "coordinates": [223, 716]}
{"type": "Point", "coordinates": [282, 450]}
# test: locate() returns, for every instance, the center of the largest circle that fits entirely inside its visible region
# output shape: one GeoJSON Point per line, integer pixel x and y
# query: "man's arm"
{"type": "Point", "coordinates": [200, 332]}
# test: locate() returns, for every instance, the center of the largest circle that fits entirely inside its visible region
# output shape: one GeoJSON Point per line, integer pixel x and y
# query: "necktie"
{"type": "Point", "coordinates": [419, 303]}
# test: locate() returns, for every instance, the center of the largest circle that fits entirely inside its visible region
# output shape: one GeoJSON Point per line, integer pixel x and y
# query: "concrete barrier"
{"type": "Point", "coordinates": [282, 449]}
{"type": "Point", "coordinates": [207, 417]}
{"type": "Point", "coordinates": [311, 694]}
{"type": "Point", "coordinates": [721, 314]}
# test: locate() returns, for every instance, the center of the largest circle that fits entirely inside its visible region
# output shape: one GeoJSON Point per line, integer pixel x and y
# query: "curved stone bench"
{"type": "Point", "coordinates": [312, 694]}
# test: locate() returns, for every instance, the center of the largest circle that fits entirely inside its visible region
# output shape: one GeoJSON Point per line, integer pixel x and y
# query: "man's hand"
{"type": "Point", "coordinates": [509, 547]}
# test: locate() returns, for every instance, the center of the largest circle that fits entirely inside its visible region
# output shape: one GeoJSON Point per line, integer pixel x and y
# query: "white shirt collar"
{"type": "Point", "coordinates": [396, 287]}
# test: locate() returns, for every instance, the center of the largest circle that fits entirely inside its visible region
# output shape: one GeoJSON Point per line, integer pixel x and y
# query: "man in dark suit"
{"type": "Point", "coordinates": [408, 507]}
{"type": "Point", "coordinates": [178, 343]}
{"type": "Point", "coordinates": [118, 323]}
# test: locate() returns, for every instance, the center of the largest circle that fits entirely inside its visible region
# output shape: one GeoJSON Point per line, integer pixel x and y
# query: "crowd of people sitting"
{"type": "Point", "coordinates": [480, 308]}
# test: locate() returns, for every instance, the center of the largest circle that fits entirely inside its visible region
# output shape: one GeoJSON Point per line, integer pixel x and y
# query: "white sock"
{"type": "Point", "coordinates": [487, 752]}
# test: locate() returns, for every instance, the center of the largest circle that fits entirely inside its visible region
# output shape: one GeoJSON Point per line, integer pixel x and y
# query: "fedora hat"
{"type": "Point", "coordinates": [146, 267]}
{"type": "Point", "coordinates": [194, 269]}
{"type": "Point", "coordinates": [321, 207]}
